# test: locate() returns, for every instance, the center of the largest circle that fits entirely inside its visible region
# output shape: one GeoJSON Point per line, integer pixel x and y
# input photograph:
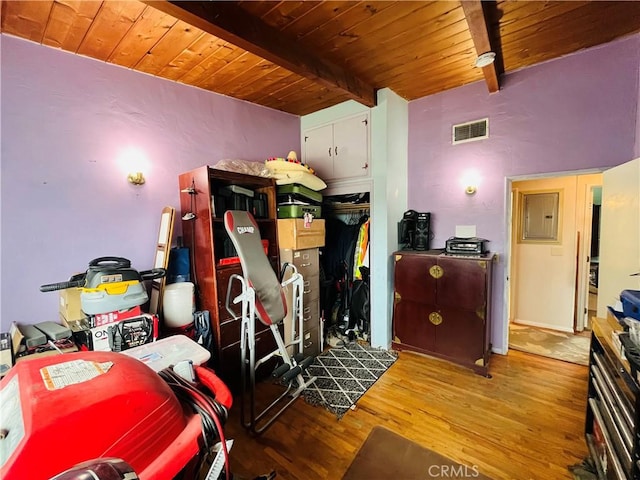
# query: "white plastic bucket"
{"type": "Point", "coordinates": [178, 304]}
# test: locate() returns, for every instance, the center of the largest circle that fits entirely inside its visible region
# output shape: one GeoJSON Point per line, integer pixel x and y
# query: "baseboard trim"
{"type": "Point", "coordinates": [543, 325]}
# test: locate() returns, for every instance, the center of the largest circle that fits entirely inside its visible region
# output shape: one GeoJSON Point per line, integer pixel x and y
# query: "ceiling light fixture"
{"type": "Point", "coordinates": [485, 59]}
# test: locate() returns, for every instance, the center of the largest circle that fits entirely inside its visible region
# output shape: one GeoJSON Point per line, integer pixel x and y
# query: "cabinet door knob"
{"type": "Point", "coordinates": [435, 318]}
{"type": "Point", "coordinates": [436, 271]}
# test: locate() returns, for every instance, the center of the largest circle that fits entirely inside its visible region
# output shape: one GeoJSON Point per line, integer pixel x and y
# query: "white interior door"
{"type": "Point", "coordinates": [586, 185]}
{"type": "Point", "coordinates": [619, 234]}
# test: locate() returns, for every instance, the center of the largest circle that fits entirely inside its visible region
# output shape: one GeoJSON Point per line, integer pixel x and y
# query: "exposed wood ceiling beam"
{"type": "Point", "coordinates": [480, 35]}
{"type": "Point", "coordinates": [226, 20]}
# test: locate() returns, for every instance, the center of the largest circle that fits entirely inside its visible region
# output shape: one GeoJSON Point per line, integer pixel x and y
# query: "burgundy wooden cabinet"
{"type": "Point", "coordinates": [442, 307]}
{"type": "Point", "coordinates": [204, 197]}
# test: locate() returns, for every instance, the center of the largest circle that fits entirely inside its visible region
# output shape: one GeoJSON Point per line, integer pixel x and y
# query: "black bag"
{"type": "Point", "coordinates": [360, 308]}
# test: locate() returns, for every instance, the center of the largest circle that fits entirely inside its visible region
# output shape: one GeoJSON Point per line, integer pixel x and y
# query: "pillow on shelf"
{"type": "Point", "coordinates": [279, 164]}
{"type": "Point", "coordinates": [305, 179]}
{"type": "Point", "coordinates": [287, 171]}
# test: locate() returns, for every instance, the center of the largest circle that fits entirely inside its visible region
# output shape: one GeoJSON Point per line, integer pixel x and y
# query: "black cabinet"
{"type": "Point", "coordinates": [612, 405]}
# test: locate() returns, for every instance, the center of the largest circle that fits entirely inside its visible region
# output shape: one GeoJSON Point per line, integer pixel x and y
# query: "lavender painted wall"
{"type": "Point", "coordinates": [578, 112]}
{"type": "Point", "coordinates": [66, 122]}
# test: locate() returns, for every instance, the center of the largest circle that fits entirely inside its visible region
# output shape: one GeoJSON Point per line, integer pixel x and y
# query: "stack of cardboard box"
{"type": "Point", "coordinates": [111, 331]}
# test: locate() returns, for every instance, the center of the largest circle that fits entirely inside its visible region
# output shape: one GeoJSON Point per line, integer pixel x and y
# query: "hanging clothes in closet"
{"type": "Point", "coordinates": [342, 258]}
{"type": "Point", "coordinates": [361, 257]}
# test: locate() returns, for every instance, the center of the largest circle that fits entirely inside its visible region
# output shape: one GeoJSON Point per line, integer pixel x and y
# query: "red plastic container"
{"type": "Point", "coordinates": [119, 407]}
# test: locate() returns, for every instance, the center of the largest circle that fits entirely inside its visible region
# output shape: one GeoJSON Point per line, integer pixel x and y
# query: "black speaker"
{"type": "Point", "coordinates": [407, 229]}
{"type": "Point", "coordinates": [422, 234]}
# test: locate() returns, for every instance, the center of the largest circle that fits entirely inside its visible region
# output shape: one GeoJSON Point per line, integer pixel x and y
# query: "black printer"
{"type": "Point", "coordinates": [466, 246]}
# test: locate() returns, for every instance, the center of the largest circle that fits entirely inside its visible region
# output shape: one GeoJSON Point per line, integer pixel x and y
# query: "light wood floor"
{"type": "Point", "coordinates": [527, 422]}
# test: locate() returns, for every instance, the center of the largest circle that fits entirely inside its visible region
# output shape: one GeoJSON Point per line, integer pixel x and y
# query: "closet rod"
{"type": "Point", "coordinates": [346, 207]}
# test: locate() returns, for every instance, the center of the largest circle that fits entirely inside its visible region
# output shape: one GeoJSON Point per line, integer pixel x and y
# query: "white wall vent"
{"type": "Point", "coordinates": [470, 131]}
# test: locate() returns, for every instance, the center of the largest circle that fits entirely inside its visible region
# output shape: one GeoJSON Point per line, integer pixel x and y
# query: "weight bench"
{"type": "Point", "coordinates": [263, 296]}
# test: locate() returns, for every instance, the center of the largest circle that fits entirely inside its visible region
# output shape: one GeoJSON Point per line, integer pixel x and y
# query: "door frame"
{"type": "Point", "coordinates": [584, 263]}
{"type": "Point", "coordinates": [511, 212]}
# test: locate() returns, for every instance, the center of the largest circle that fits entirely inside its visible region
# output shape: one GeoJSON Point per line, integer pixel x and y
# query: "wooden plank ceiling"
{"type": "Point", "coordinates": [302, 56]}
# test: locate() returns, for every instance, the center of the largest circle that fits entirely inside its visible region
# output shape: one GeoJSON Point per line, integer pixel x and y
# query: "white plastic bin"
{"type": "Point", "coordinates": [178, 304]}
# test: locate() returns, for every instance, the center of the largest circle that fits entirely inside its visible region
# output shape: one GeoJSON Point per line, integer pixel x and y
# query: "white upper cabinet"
{"type": "Point", "coordinates": [339, 150]}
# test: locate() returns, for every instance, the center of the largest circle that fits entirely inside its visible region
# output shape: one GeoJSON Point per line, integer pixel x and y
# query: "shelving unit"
{"type": "Point", "coordinates": [611, 425]}
{"type": "Point", "coordinates": [212, 261]}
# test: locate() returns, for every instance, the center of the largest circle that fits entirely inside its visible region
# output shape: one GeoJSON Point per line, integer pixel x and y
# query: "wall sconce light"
{"type": "Point", "coordinates": [469, 181]}
{"type": "Point", "coordinates": [133, 162]}
{"type": "Point", "coordinates": [485, 59]}
{"type": "Point", "coordinates": [137, 178]}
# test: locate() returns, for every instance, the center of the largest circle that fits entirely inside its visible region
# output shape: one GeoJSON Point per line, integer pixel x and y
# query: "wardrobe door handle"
{"type": "Point", "coordinates": [329, 151]}
{"type": "Point", "coordinates": [336, 150]}
{"type": "Point", "coordinates": [435, 318]}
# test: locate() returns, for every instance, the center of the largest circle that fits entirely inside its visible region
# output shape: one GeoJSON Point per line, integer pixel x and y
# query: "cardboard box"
{"type": "Point", "coordinates": [293, 233]}
{"type": "Point", "coordinates": [16, 338]}
{"type": "Point", "coordinates": [6, 353]}
{"type": "Point", "coordinates": [133, 332]}
{"type": "Point", "coordinates": [46, 353]}
{"type": "Point", "coordinates": [70, 307]}
{"type": "Point", "coordinates": [102, 319]}
{"type": "Point", "coordinates": [117, 336]}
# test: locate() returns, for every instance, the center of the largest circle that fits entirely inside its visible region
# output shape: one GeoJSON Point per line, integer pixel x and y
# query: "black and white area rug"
{"type": "Point", "coordinates": [344, 374]}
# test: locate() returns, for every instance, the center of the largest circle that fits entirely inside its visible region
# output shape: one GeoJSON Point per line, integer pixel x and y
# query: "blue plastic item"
{"type": "Point", "coordinates": [179, 267]}
{"type": "Point", "coordinates": [631, 303]}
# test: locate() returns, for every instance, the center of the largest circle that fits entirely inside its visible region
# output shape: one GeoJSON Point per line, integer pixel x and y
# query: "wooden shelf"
{"type": "Point", "coordinates": [206, 236]}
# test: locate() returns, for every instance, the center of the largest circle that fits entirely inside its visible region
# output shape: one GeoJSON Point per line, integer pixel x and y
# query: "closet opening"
{"type": "Point", "coordinates": [344, 269]}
